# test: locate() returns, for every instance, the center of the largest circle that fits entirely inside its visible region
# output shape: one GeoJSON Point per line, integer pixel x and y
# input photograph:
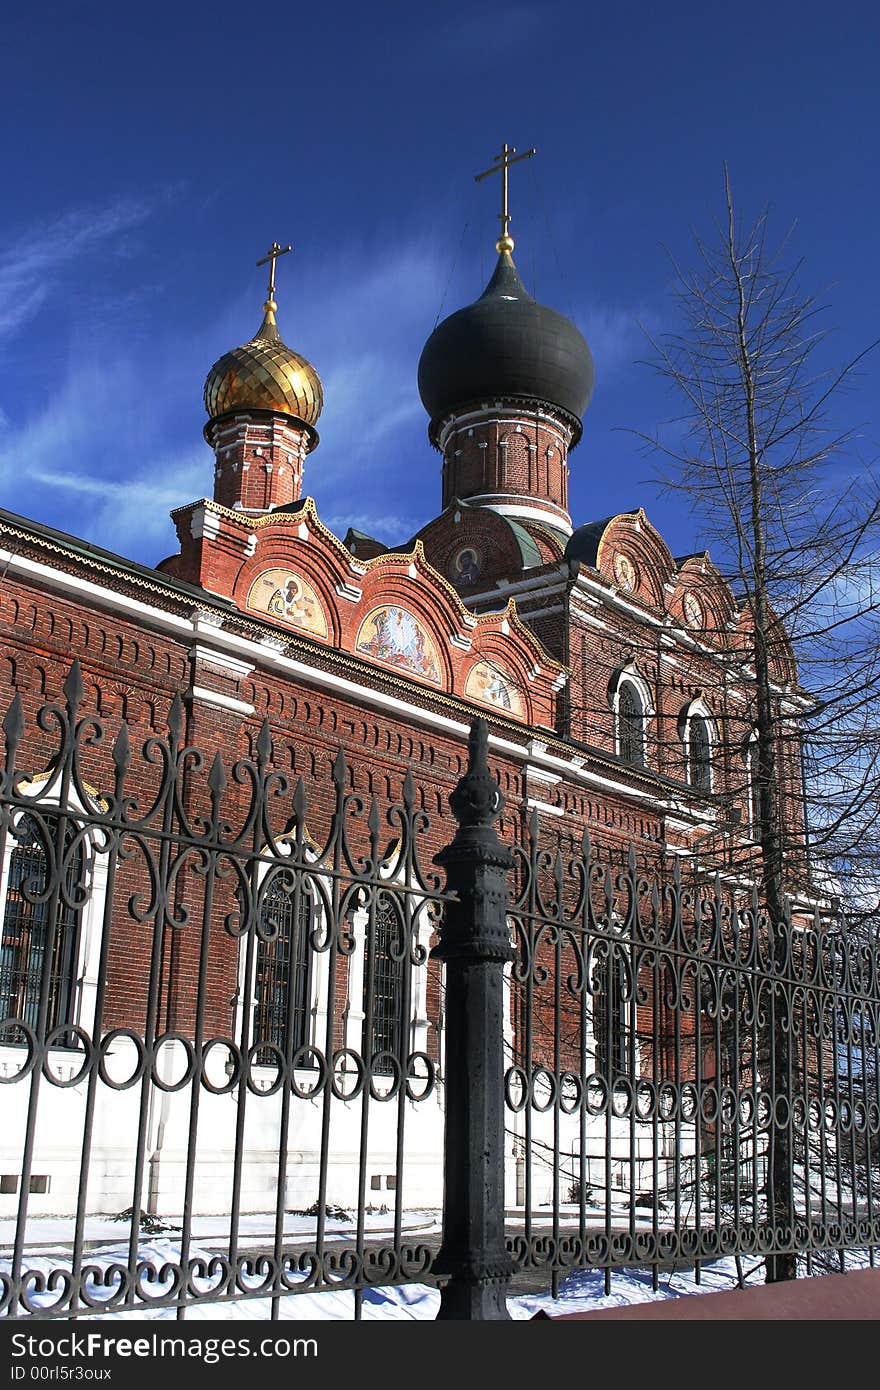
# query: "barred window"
{"type": "Point", "coordinates": [384, 1004]}
{"type": "Point", "coordinates": [39, 918]}
{"type": "Point", "coordinates": [699, 754]}
{"type": "Point", "coordinates": [630, 725]}
{"type": "Point", "coordinates": [283, 973]}
{"type": "Point", "coordinates": [610, 1029]}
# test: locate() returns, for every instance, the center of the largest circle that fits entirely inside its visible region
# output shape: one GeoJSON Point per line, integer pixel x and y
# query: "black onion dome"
{"type": "Point", "coordinates": [506, 345]}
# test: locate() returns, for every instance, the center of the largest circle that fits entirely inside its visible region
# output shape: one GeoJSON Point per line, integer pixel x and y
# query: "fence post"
{"type": "Point", "coordinates": [475, 944]}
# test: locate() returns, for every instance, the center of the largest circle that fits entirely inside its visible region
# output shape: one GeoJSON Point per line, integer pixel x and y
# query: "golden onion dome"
{"type": "Point", "coordinates": [265, 374]}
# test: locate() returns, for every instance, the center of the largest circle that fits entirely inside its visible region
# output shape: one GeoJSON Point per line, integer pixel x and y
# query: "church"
{"type": "Point", "coordinates": [615, 679]}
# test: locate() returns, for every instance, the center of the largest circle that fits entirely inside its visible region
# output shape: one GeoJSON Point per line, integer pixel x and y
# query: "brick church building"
{"type": "Point", "coordinates": [615, 678]}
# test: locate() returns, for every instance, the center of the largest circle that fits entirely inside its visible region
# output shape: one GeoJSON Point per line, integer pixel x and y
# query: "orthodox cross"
{"type": "Point", "coordinates": [275, 250]}
{"type": "Point", "coordinates": [503, 161]}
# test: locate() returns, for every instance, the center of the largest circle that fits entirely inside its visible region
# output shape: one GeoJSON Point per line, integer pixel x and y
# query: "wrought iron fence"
{"type": "Point", "coordinates": [215, 1004]}
{"type": "Point", "coordinates": [653, 1121]}
{"type": "Point", "coordinates": [231, 1015]}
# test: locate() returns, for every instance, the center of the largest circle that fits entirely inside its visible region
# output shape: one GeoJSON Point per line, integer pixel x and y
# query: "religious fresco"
{"type": "Point", "coordinates": [393, 636]}
{"type": "Point", "coordinates": [624, 572]}
{"type": "Point", "coordinates": [287, 597]}
{"type": "Point", "coordinates": [693, 609]}
{"type": "Point", "coordinates": [466, 566]}
{"type": "Point", "coordinates": [487, 683]}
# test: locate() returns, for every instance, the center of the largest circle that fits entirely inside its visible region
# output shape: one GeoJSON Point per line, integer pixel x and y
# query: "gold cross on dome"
{"type": "Point", "coordinates": [275, 250]}
{"type": "Point", "coordinates": [503, 161]}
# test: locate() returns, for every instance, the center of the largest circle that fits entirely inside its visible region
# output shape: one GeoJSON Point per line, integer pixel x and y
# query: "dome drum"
{"type": "Point", "coordinates": [220, 425]}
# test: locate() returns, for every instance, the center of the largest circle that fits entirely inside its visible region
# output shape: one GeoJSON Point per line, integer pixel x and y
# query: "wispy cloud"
{"type": "Point", "coordinates": [31, 264]}
{"type": "Point", "coordinates": [614, 335]}
{"type": "Point", "coordinates": [496, 28]}
{"type": "Point", "coordinates": [385, 526]}
{"type": "Point", "coordinates": [98, 459]}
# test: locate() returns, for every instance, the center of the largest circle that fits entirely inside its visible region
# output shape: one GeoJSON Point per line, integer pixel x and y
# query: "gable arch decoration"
{"type": "Point", "coordinates": [286, 597]}
{"type": "Point", "coordinates": [394, 637]}
{"type": "Point", "coordinates": [491, 685]}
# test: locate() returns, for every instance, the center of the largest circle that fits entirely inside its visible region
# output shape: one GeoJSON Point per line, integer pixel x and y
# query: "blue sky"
{"type": "Point", "coordinates": [151, 153]}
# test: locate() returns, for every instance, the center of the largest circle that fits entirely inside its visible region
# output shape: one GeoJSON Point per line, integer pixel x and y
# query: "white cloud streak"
{"type": "Point", "coordinates": [99, 460]}
{"type": "Point", "coordinates": [32, 263]}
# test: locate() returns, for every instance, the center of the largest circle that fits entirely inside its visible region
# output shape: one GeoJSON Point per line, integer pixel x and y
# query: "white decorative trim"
{"type": "Point", "coordinates": [108, 598]}
{"type": "Point", "coordinates": [204, 524]}
{"type": "Point", "coordinates": [551, 514]}
{"type": "Point", "coordinates": [250, 545]}
{"type": "Point", "coordinates": [463, 643]}
{"type": "Point", "coordinates": [206, 619]}
{"type": "Point", "coordinates": [552, 583]}
{"type": "Point", "coordinates": [351, 592]}
{"type": "Point", "coordinates": [540, 774]}
{"type": "Point", "coordinates": [214, 697]}
{"type": "Point", "coordinates": [534, 805]}
{"type": "Point", "coordinates": [230, 663]}
{"type": "Point", "coordinates": [583, 616]}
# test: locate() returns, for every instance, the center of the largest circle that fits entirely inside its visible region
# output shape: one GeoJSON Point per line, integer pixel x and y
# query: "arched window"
{"type": "Point", "coordinates": [283, 970]}
{"type": "Point", "coordinates": [699, 753]}
{"type": "Point", "coordinates": [384, 1005]}
{"type": "Point", "coordinates": [753, 786]}
{"type": "Point", "coordinates": [41, 917]}
{"type": "Point", "coordinates": [610, 1026]}
{"type": "Point", "coordinates": [630, 725]}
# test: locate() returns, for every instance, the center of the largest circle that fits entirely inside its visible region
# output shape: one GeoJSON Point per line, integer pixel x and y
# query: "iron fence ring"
{"type": "Point", "coordinates": [105, 1046]}
{"type": "Point", "coordinates": [623, 1097]}
{"type": "Point", "coordinates": [544, 1074]}
{"type": "Point", "coordinates": [306, 1092]}
{"type": "Point", "coordinates": [429, 1080]}
{"type": "Point", "coordinates": [571, 1080]}
{"type": "Point", "coordinates": [168, 1040]}
{"type": "Point", "coordinates": [255, 1058]}
{"type": "Point", "coordinates": [359, 1073]}
{"type": "Point", "coordinates": [395, 1073]}
{"type": "Point", "coordinates": [233, 1075]}
{"type": "Point", "coordinates": [18, 1025]}
{"type": "Point", "coordinates": [516, 1076]}
{"type": "Point", "coordinates": [597, 1094]}
{"type": "Point", "coordinates": [89, 1055]}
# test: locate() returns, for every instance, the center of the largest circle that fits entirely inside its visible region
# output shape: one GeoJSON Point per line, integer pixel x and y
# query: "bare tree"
{"type": "Point", "coordinates": [795, 528]}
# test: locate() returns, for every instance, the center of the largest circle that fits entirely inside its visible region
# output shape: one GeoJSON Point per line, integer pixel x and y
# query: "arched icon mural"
{"type": "Point", "coordinates": [395, 637]}
{"type": "Point", "coordinates": [492, 686]}
{"type": "Point", "coordinates": [287, 597]}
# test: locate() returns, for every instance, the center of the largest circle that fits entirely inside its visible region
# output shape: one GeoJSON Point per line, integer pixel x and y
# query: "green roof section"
{"type": "Point", "coordinates": [529, 550]}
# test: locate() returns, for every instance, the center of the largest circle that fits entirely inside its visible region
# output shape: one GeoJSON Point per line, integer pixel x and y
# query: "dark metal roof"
{"type": "Point", "coordinates": [505, 345]}
{"type": "Point", "coordinates": [583, 543]}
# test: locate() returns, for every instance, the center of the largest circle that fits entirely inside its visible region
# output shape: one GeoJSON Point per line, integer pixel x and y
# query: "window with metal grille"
{"type": "Point", "coordinates": [283, 973]}
{"type": "Point", "coordinates": [383, 985]}
{"type": "Point", "coordinates": [699, 754]}
{"type": "Point", "coordinates": [41, 929]}
{"type": "Point", "coordinates": [630, 725]}
{"type": "Point", "coordinates": [610, 1030]}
